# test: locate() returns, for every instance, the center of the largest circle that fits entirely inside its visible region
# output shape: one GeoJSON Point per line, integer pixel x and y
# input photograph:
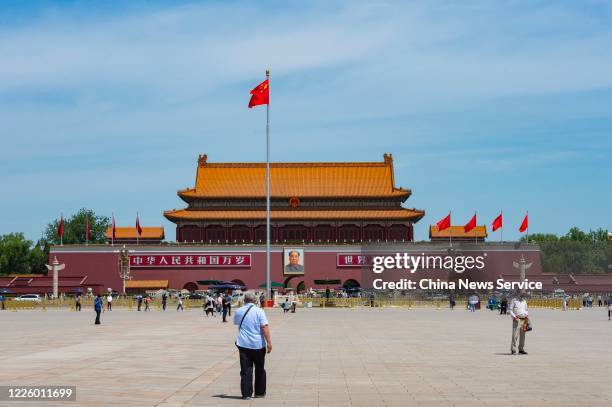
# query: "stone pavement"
{"type": "Point", "coordinates": [321, 357]}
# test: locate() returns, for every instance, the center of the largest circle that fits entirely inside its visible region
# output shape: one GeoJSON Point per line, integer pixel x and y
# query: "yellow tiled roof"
{"type": "Point", "coordinates": [146, 284]}
{"type": "Point", "coordinates": [248, 180]}
{"type": "Point", "coordinates": [148, 232]}
{"type": "Point", "coordinates": [457, 231]}
{"type": "Point", "coordinates": [359, 214]}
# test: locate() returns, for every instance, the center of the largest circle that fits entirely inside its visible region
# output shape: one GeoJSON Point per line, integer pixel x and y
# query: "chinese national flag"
{"type": "Point", "coordinates": [497, 223]}
{"type": "Point", "coordinates": [60, 227]}
{"type": "Point", "coordinates": [470, 225]}
{"type": "Point", "coordinates": [138, 228]}
{"type": "Point", "coordinates": [444, 223]}
{"type": "Point", "coordinates": [525, 223]}
{"type": "Point", "coordinates": [261, 94]}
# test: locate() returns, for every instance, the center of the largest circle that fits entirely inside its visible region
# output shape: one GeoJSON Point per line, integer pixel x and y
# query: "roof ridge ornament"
{"type": "Point", "coordinates": [202, 159]}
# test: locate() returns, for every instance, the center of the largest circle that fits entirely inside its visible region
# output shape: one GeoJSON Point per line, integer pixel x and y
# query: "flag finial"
{"type": "Point", "coordinates": [267, 72]}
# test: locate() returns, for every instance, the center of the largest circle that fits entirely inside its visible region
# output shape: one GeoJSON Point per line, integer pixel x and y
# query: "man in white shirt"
{"type": "Point", "coordinates": [253, 341]}
{"type": "Point", "coordinates": [518, 311]}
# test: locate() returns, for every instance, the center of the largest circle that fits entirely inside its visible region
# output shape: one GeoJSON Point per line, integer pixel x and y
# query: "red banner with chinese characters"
{"type": "Point", "coordinates": [189, 260]}
{"type": "Point", "coordinates": [353, 260]}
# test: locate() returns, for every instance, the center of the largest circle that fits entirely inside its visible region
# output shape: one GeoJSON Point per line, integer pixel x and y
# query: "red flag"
{"type": "Point", "coordinates": [261, 94]}
{"type": "Point", "coordinates": [60, 227]}
{"type": "Point", "coordinates": [87, 229]}
{"type": "Point", "coordinates": [444, 223]}
{"type": "Point", "coordinates": [114, 228]}
{"type": "Point", "coordinates": [497, 223]}
{"type": "Point", "coordinates": [525, 223]}
{"type": "Point", "coordinates": [138, 228]}
{"type": "Point", "coordinates": [470, 225]}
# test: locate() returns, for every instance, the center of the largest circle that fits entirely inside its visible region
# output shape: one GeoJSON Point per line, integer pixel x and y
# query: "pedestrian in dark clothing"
{"type": "Point", "coordinates": [225, 308]}
{"type": "Point", "coordinates": [139, 301]}
{"type": "Point", "coordinates": [77, 303]}
{"type": "Point", "coordinates": [98, 303]}
{"type": "Point", "coordinates": [503, 307]}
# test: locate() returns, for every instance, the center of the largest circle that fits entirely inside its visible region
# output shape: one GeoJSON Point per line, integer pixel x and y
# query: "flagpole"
{"type": "Point", "coordinates": [450, 229]}
{"type": "Point", "coordinates": [86, 230]}
{"type": "Point", "coordinates": [501, 236]}
{"type": "Point", "coordinates": [113, 231]}
{"type": "Point", "coordinates": [62, 223]}
{"type": "Point", "coordinates": [527, 227]}
{"type": "Point", "coordinates": [268, 289]}
{"type": "Point", "coordinates": [475, 234]}
{"type": "Point", "coordinates": [137, 225]}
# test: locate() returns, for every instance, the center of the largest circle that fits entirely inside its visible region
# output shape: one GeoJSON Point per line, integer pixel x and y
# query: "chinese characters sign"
{"type": "Point", "coordinates": [353, 260]}
{"type": "Point", "coordinates": [189, 260]}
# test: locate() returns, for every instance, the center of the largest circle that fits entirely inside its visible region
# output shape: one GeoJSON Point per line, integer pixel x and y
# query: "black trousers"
{"type": "Point", "coordinates": [77, 306]}
{"type": "Point", "coordinates": [98, 317]}
{"type": "Point", "coordinates": [248, 358]}
{"type": "Point", "coordinates": [224, 314]}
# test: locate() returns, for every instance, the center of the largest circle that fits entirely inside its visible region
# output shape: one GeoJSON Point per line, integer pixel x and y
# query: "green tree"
{"type": "Point", "coordinates": [541, 237]}
{"type": "Point", "coordinates": [15, 256]}
{"type": "Point", "coordinates": [74, 228]}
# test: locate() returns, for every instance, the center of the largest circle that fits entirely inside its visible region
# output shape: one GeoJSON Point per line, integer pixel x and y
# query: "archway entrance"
{"type": "Point", "coordinates": [190, 286]}
{"type": "Point", "coordinates": [301, 287]}
{"type": "Point", "coordinates": [287, 283]}
{"type": "Point", "coordinates": [239, 282]}
{"type": "Point", "coordinates": [351, 283]}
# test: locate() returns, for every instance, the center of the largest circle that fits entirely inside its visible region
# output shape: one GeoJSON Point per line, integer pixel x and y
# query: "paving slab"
{"type": "Point", "coordinates": [321, 357]}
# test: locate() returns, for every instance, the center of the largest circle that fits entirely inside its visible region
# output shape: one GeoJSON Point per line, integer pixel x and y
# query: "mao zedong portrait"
{"type": "Point", "coordinates": [294, 266]}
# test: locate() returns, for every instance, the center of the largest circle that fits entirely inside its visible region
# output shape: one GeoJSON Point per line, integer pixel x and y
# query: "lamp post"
{"type": "Point", "coordinates": [124, 266]}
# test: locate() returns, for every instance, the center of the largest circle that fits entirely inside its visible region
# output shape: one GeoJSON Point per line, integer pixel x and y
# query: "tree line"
{"type": "Point", "coordinates": [19, 255]}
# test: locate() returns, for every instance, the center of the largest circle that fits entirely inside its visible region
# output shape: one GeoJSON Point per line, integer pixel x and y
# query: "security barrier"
{"type": "Point", "coordinates": [320, 302]}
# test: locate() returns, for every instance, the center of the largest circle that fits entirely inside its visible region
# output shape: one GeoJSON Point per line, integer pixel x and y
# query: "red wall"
{"type": "Point", "coordinates": [100, 264]}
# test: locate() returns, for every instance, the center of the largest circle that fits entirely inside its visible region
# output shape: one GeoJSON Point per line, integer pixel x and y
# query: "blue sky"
{"type": "Point", "coordinates": [484, 105]}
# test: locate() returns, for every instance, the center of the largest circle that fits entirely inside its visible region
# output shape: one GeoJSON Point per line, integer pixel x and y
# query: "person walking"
{"type": "Point", "coordinates": [109, 302]}
{"type": "Point", "coordinates": [147, 301]}
{"type": "Point", "coordinates": [503, 307]}
{"type": "Point", "coordinates": [180, 304]}
{"type": "Point", "coordinates": [224, 305]}
{"type": "Point", "coordinates": [293, 305]}
{"type": "Point", "coordinates": [77, 303]}
{"type": "Point", "coordinates": [452, 302]}
{"type": "Point", "coordinates": [518, 312]}
{"type": "Point", "coordinates": [98, 305]}
{"type": "Point", "coordinates": [609, 308]}
{"type": "Point", "coordinates": [139, 301]}
{"type": "Point", "coordinates": [209, 306]}
{"type": "Point", "coordinates": [253, 341]}
{"type": "Point", "coordinates": [219, 303]}
{"type": "Point", "coordinates": [164, 300]}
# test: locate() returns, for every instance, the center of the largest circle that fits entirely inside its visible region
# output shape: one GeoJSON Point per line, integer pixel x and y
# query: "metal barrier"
{"type": "Point", "coordinates": [320, 302]}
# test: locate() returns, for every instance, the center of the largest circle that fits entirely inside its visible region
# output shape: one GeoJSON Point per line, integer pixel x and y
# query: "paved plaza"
{"type": "Point", "coordinates": [321, 357]}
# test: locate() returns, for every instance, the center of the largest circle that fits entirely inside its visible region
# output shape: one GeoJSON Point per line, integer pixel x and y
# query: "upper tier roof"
{"type": "Point", "coordinates": [302, 180]}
